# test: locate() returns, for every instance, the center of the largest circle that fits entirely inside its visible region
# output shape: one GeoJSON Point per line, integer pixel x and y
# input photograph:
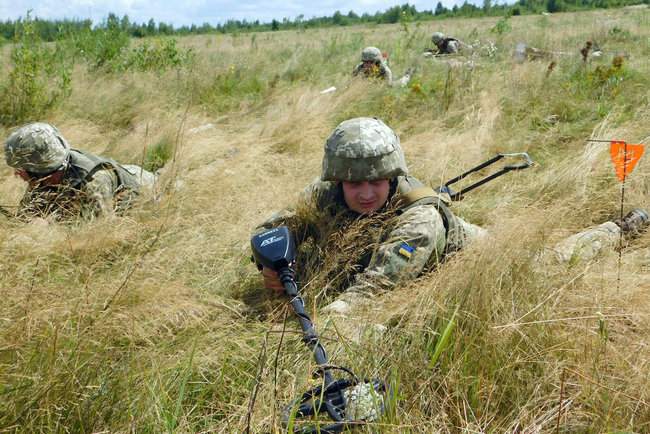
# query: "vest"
{"type": "Point", "coordinates": [445, 44]}
{"type": "Point", "coordinates": [84, 165]}
{"type": "Point", "coordinates": [411, 192]}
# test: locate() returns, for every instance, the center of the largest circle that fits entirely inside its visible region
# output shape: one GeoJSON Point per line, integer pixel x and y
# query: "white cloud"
{"type": "Point", "coordinates": [196, 11]}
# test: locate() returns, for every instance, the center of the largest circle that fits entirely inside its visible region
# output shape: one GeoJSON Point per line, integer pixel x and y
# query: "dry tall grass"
{"type": "Point", "coordinates": [157, 321]}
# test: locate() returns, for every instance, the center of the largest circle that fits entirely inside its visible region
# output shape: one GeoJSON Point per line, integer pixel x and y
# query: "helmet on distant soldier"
{"type": "Point", "coordinates": [437, 37]}
{"type": "Point", "coordinates": [371, 54]}
{"type": "Point", "coordinates": [363, 149]}
{"type": "Point", "coordinates": [36, 148]}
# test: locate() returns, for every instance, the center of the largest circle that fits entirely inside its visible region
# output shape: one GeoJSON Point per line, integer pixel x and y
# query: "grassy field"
{"type": "Point", "coordinates": [158, 322]}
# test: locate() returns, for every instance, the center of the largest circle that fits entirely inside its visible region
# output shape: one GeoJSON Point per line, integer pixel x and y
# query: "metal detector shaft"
{"type": "Point", "coordinates": [459, 195]}
{"type": "Point", "coordinates": [311, 339]}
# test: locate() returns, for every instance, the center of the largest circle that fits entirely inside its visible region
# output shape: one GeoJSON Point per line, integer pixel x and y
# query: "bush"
{"type": "Point", "coordinates": [159, 56]}
{"type": "Point", "coordinates": [103, 46]}
{"type": "Point", "coordinates": [39, 78]}
{"type": "Point", "coordinates": [618, 34]}
{"type": "Point", "coordinates": [159, 154]}
{"type": "Point", "coordinates": [502, 26]}
{"type": "Point", "coordinates": [237, 87]}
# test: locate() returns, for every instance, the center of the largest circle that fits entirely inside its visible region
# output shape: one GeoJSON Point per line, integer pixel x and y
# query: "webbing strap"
{"type": "Point", "coordinates": [407, 199]}
{"type": "Point", "coordinates": [427, 195]}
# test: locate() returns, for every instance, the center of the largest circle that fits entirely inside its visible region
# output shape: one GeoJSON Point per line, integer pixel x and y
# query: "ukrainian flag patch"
{"type": "Point", "coordinates": [406, 250]}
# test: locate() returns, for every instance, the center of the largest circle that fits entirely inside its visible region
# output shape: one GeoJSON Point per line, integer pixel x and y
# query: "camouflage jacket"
{"type": "Point", "coordinates": [399, 243]}
{"type": "Point", "coordinates": [91, 186]}
{"type": "Point", "coordinates": [449, 46]}
{"type": "Point", "coordinates": [378, 71]}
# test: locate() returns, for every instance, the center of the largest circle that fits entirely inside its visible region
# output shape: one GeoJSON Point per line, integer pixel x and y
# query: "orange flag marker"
{"type": "Point", "coordinates": [625, 156]}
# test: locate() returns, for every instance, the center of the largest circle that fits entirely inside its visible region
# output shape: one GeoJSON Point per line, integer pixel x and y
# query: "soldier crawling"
{"type": "Point", "coordinates": [65, 183]}
{"type": "Point", "coordinates": [374, 65]}
{"type": "Point", "coordinates": [366, 224]}
{"type": "Point", "coordinates": [445, 45]}
{"type": "Point", "coordinates": [388, 225]}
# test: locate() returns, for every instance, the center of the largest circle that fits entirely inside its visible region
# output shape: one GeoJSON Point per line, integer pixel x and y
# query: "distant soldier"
{"type": "Point", "coordinates": [65, 183]}
{"type": "Point", "coordinates": [445, 45]}
{"type": "Point", "coordinates": [374, 65]}
{"type": "Point", "coordinates": [523, 52]}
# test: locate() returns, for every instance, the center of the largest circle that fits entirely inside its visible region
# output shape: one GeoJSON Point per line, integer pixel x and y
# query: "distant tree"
{"type": "Point", "coordinates": [440, 9]}
{"type": "Point", "coordinates": [392, 15]}
{"type": "Point", "coordinates": [112, 22]}
{"type": "Point", "coordinates": [487, 5]}
{"type": "Point", "coordinates": [165, 29]}
{"type": "Point", "coordinates": [139, 31]}
{"type": "Point", "coordinates": [338, 19]}
{"type": "Point", "coordinates": [125, 23]}
{"type": "Point", "coordinates": [275, 25]}
{"type": "Point", "coordinates": [552, 6]}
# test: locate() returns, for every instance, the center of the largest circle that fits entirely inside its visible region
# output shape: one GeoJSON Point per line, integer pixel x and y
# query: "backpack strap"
{"type": "Point", "coordinates": [427, 196]}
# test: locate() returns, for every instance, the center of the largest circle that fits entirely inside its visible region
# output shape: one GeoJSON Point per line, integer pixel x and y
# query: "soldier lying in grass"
{"type": "Point", "coordinates": [374, 65]}
{"type": "Point", "coordinates": [65, 183]}
{"type": "Point", "coordinates": [367, 225]}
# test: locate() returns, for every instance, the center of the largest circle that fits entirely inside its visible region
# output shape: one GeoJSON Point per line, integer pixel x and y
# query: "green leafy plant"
{"type": "Point", "coordinates": [157, 56]}
{"type": "Point", "coordinates": [157, 155]}
{"type": "Point", "coordinates": [38, 79]}
{"type": "Point", "coordinates": [502, 26]}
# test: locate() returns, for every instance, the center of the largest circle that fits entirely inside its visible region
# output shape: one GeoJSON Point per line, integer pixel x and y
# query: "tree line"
{"type": "Point", "coordinates": [50, 30]}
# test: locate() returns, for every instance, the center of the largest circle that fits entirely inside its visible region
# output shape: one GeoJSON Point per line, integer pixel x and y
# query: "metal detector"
{"type": "Point", "coordinates": [526, 163]}
{"type": "Point", "coordinates": [348, 402]}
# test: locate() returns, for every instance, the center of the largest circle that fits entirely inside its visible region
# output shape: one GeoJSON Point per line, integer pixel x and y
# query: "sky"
{"type": "Point", "coordinates": [197, 11]}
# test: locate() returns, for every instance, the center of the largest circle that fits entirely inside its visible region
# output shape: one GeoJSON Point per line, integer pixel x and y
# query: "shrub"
{"type": "Point", "coordinates": [618, 34]}
{"type": "Point", "coordinates": [159, 154]}
{"type": "Point", "coordinates": [234, 88]}
{"type": "Point", "coordinates": [502, 26]}
{"type": "Point", "coordinates": [159, 56]}
{"type": "Point", "coordinates": [39, 78]}
{"type": "Point", "coordinates": [103, 46]}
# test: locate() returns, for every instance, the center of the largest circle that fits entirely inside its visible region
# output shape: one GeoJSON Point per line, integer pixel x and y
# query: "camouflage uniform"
{"type": "Point", "coordinates": [588, 244]}
{"type": "Point", "coordinates": [379, 69]}
{"type": "Point", "coordinates": [412, 235]}
{"type": "Point", "coordinates": [89, 186]}
{"type": "Point", "coordinates": [523, 52]}
{"type": "Point", "coordinates": [446, 45]}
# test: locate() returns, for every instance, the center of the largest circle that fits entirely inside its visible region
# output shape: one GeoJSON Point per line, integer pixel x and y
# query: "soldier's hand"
{"type": "Point", "coordinates": [272, 280]}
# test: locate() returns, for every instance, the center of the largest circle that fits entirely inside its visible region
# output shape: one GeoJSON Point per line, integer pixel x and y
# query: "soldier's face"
{"type": "Point", "coordinates": [370, 65]}
{"type": "Point", "coordinates": [366, 197]}
{"type": "Point", "coordinates": [53, 178]}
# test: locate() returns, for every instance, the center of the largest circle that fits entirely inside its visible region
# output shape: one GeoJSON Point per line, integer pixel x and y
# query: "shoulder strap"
{"type": "Point", "coordinates": [427, 196]}
{"type": "Point", "coordinates": [420, 195]}
{"type": "Point", "coordinates": [91, 163]}
{"type": "Point", "coordinates": [405, 200]}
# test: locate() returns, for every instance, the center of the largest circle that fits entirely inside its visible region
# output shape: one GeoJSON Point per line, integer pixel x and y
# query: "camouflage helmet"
{"type": "Point", "coordinates": [36, 147]}
{"type": "Point", "coordinates": [437, 37]}
{"type": "Point", "coordinates": [371, 54]}
{"type": "Point", "coordinates": [363, 149]}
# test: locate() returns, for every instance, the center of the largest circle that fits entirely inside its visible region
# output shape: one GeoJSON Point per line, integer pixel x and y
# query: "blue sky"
{"type": "Point", "coordinates": [197, 11]}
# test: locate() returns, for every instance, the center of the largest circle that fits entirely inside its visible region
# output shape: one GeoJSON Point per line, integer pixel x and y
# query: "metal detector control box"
{"type": "Point", "coordinates": [274, 249]}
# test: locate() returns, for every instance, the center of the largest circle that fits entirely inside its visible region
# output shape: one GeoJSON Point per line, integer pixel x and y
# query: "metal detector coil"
{"type": "Point", "coordinates": [349, 402]}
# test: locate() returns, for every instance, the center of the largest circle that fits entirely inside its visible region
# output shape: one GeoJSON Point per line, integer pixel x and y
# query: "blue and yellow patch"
{"type": "Point", "coordinates": [406, 250]}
